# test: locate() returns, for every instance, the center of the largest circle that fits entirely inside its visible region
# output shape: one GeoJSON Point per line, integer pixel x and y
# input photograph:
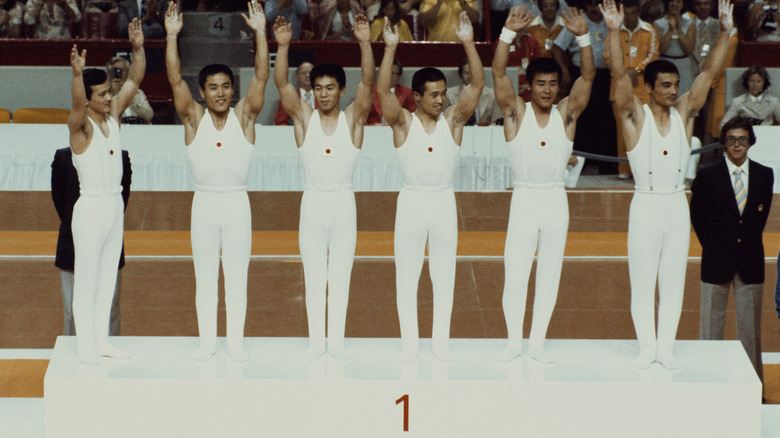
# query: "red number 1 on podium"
{"type": "Point", "coordinates": [405, 400]}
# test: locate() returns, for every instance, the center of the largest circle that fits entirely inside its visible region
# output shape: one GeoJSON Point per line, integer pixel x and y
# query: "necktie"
{"type": "Point", "coordinates": [702, 42]}
{"type": "Point", "coordinates": [739, 190]}
{"type": "Point", "coordinates": [307, 97]}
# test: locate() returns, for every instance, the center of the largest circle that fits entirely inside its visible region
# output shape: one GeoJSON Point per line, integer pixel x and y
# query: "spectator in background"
{"type": "Point", "coordinates": [139, 111]}
{"type": "Point", "coordinates": [441, 17]}
{"type": "Point", "coordinates": [487, 111]}
{"type": "Point", "coordinates": [545, 27]}
{"type": "Point", "coordinates": [757, 105]}
{"type": "Point", "coordinates": [707, 29]}
{"type": "Point", "coordinates": [404, 94]}
{"type": "Point", "coordinates": [390, 9]}
{"type": "Point", "coordinates": [303, 83]}
{"type": "Point", "coordinates": [763, 17]}
{"type": "Point", "coordinates": [11, 13]}
{"type": "Point", "coordinates": [499, 10]}
{"type": "Point", "coordinates": [337, 21]}
{"type": "Point", "coordinates": [407, 7]}
{"type": "Point", "coordinates": [151, 15]}
{"type": "Point", "coordinates": [640, 47]}
{"type": "Point", "coordinates": [51, 18]}
{"type": "Point", "coordinates": [677, 39]}
{"type": "Point", "coordinates": [294, 11]}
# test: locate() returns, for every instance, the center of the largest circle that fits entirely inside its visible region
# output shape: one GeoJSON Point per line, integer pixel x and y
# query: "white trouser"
{"type": "Point", "coordinates": [659, 230]}
{"type": "Point", "coordinates": [420, 217]}
{"type": "Point", "coordinates": [538, 218]}
{"type": "Point", "coordinates": [327, 236]}
{"type": "Point", "coordinates": [97, 225]}
{"type": "Point", "coordinates": [221, 221]}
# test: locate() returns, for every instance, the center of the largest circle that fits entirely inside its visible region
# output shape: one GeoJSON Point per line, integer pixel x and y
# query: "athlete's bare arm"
{"type": "Point", "coordinates": [249, 107]}
{"type": "Point", "coordinates": [187, 109]}
{"type": "Point", "coordinates": [397, 117]}
{"type": "Point", "coordinates": [512, 106]}
{"type": "Point", "coordinates": [692, 101]}
{"type": "Point", "coordinates": [572, 105]}
{"type": "Point", "coordinates": [357, 111]}
{"type": "Point", "coordinates": [288, 95]}
{"type": "Point", "coordinates": [627, 107]}
{"type": "Point", "coordinates": [458, 115]}
{"type": "Point", "coordinates": [125, 97]}
{"type": "Point", "coordinates": [80, 130]}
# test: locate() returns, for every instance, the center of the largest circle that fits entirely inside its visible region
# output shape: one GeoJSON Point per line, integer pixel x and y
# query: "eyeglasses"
{"type": "Point", "coordinates": [731, 141]}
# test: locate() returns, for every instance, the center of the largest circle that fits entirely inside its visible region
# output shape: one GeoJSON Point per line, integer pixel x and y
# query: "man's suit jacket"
{"type": "Point", "coordinates": [281, 118]}
{"type": "Point", "coordinates": [65, 193]}
{"type": "Point", "coordinates": [128, 9]}
{"type": "Point", "coordinates": [487, 108]}
{"type": "Point", "coordinates": [731, 243]}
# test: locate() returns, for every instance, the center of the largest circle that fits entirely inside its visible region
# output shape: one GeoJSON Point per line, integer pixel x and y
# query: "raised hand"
{"type": "Point", "coordinates": [362, 29]}
{"type": "Point", "coordinates": [574, 20]}
{"type": "Point", "coordinates": [390, 34]}
{"type": "Point", "coordinates": [174, 20]}
{"type": "Point", "coordinates": [256, 18]}
{"type": "Point", "coordinates": [519, 18]}
{"type": "Point", "coordinates": [613, 17]}
{"type": "Point", "coordinates": [465, 32]}
{"type": "Point", "coordinates": [725, 13]}
{"type": "Point", "coordinates": [282, 31]}
{"type": "Point", "coordinates": [78, 62]}
{"type": "Point", "coordinates": [135, 34]}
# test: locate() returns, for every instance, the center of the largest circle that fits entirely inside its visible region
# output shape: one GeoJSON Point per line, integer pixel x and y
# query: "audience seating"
{"type": "Point", "coordinates": [5, 116]}
{"type": "Point", "coordinates": [41, 115]}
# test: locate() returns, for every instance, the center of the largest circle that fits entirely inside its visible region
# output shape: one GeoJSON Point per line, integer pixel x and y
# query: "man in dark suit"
{"type": "Point", "coordinates": [65, 193]}
{"type": "Point", "coordinates": [150, 12]}
{"type": "Point", "coordinates": [729, 207]}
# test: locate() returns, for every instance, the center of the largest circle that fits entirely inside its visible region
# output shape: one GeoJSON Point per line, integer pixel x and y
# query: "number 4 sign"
{"type": "Point", "coordinates": [219, 24]}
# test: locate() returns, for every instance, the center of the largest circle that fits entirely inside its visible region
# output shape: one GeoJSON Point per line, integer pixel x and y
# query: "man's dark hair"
{"type": "Point", "coordinates": [213, 69]}
{"type": "Point", "coordinates": [542, 66]}
{"type": "Point", "coordinates": [93, 76]}
{"type": "Point", "coordinates": [461, 65]}
{"type": "Point", "coordinates": [756, 70]}
{"type": "Point", "coordinates": [630, 3]}
{"type": "Point", "coordinates": [400, 66]}
{"type": "Point", "coordinates": [425, 75]}
{"type": "Point", "coordinates": [557, 5]}
{"type": "Point", "coordinates": [737, 123]}
{"type": "Point", "coordinates": [334, 71]}
{"type": "Point", "coordinates": [659, 66]}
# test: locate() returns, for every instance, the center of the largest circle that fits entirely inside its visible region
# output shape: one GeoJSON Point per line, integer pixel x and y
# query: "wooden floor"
{"type": "Point", "coordinates": [158, 282]}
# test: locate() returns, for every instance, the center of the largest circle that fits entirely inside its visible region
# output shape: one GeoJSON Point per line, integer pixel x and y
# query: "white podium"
{"type": "Point", "coordinates": [591, 392]}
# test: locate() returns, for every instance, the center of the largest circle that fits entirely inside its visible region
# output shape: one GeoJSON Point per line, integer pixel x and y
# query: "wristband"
{"type": "Point", "coordinates": [583, 40]}
{"type": "Point", "coordinates": [507, 35]}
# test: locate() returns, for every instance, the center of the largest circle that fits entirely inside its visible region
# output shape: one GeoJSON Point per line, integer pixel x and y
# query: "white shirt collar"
{"type": "Point", "coordinates": [539, 22]}
{"type": "Point", "coordinates": [755, 99]}
{"type": "Point", "coordinates": [732, 167]}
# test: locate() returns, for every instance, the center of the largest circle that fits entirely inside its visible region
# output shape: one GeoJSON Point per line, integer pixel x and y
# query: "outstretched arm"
{"type": "Point", "coordinates": [126, 95]}
{"type": "Point", "coordinates": [469, 97]}
{"type": "Point", "coordinates": [78, 113]}
{"type": "Point", "coordinates": [578, 98]}
{"type": "Point", "coordinates": [391, 109]}
{"type": "Point", "coordinates": [625, 103]}
{"type": "Point", "coordinates": [182, 98]}
{"type": "Point", "coordinates": [694, 99]}
{"type": "Point", "coordinates": [249, 106]}
{"type": "Point", "coordinates": [289, 98]}
{"type": "Point", "coordinates": [519, 18]}
{"type": "Point", "coordinates": [364, 95]}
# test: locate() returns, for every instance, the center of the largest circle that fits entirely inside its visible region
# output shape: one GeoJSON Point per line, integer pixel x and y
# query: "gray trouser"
{"type": "Point", "coordinates": [747, 303]}
{"type": "Point", "coordinates": [66, 279]}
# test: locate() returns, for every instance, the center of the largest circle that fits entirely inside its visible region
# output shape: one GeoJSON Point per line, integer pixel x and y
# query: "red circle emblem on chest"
{"type": "Point", "coordinates": [327, 151]}
{"type": "Point", "coordinates": [544, 144]}
{"type": "Point", "coordinates": [666, 152]}
{"type": "Point", "coordinates": [219, 144]}
{"type": "Point", "coordinates": [111, 152]}
{"type": "Point", "coordinates": [430, 149]}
